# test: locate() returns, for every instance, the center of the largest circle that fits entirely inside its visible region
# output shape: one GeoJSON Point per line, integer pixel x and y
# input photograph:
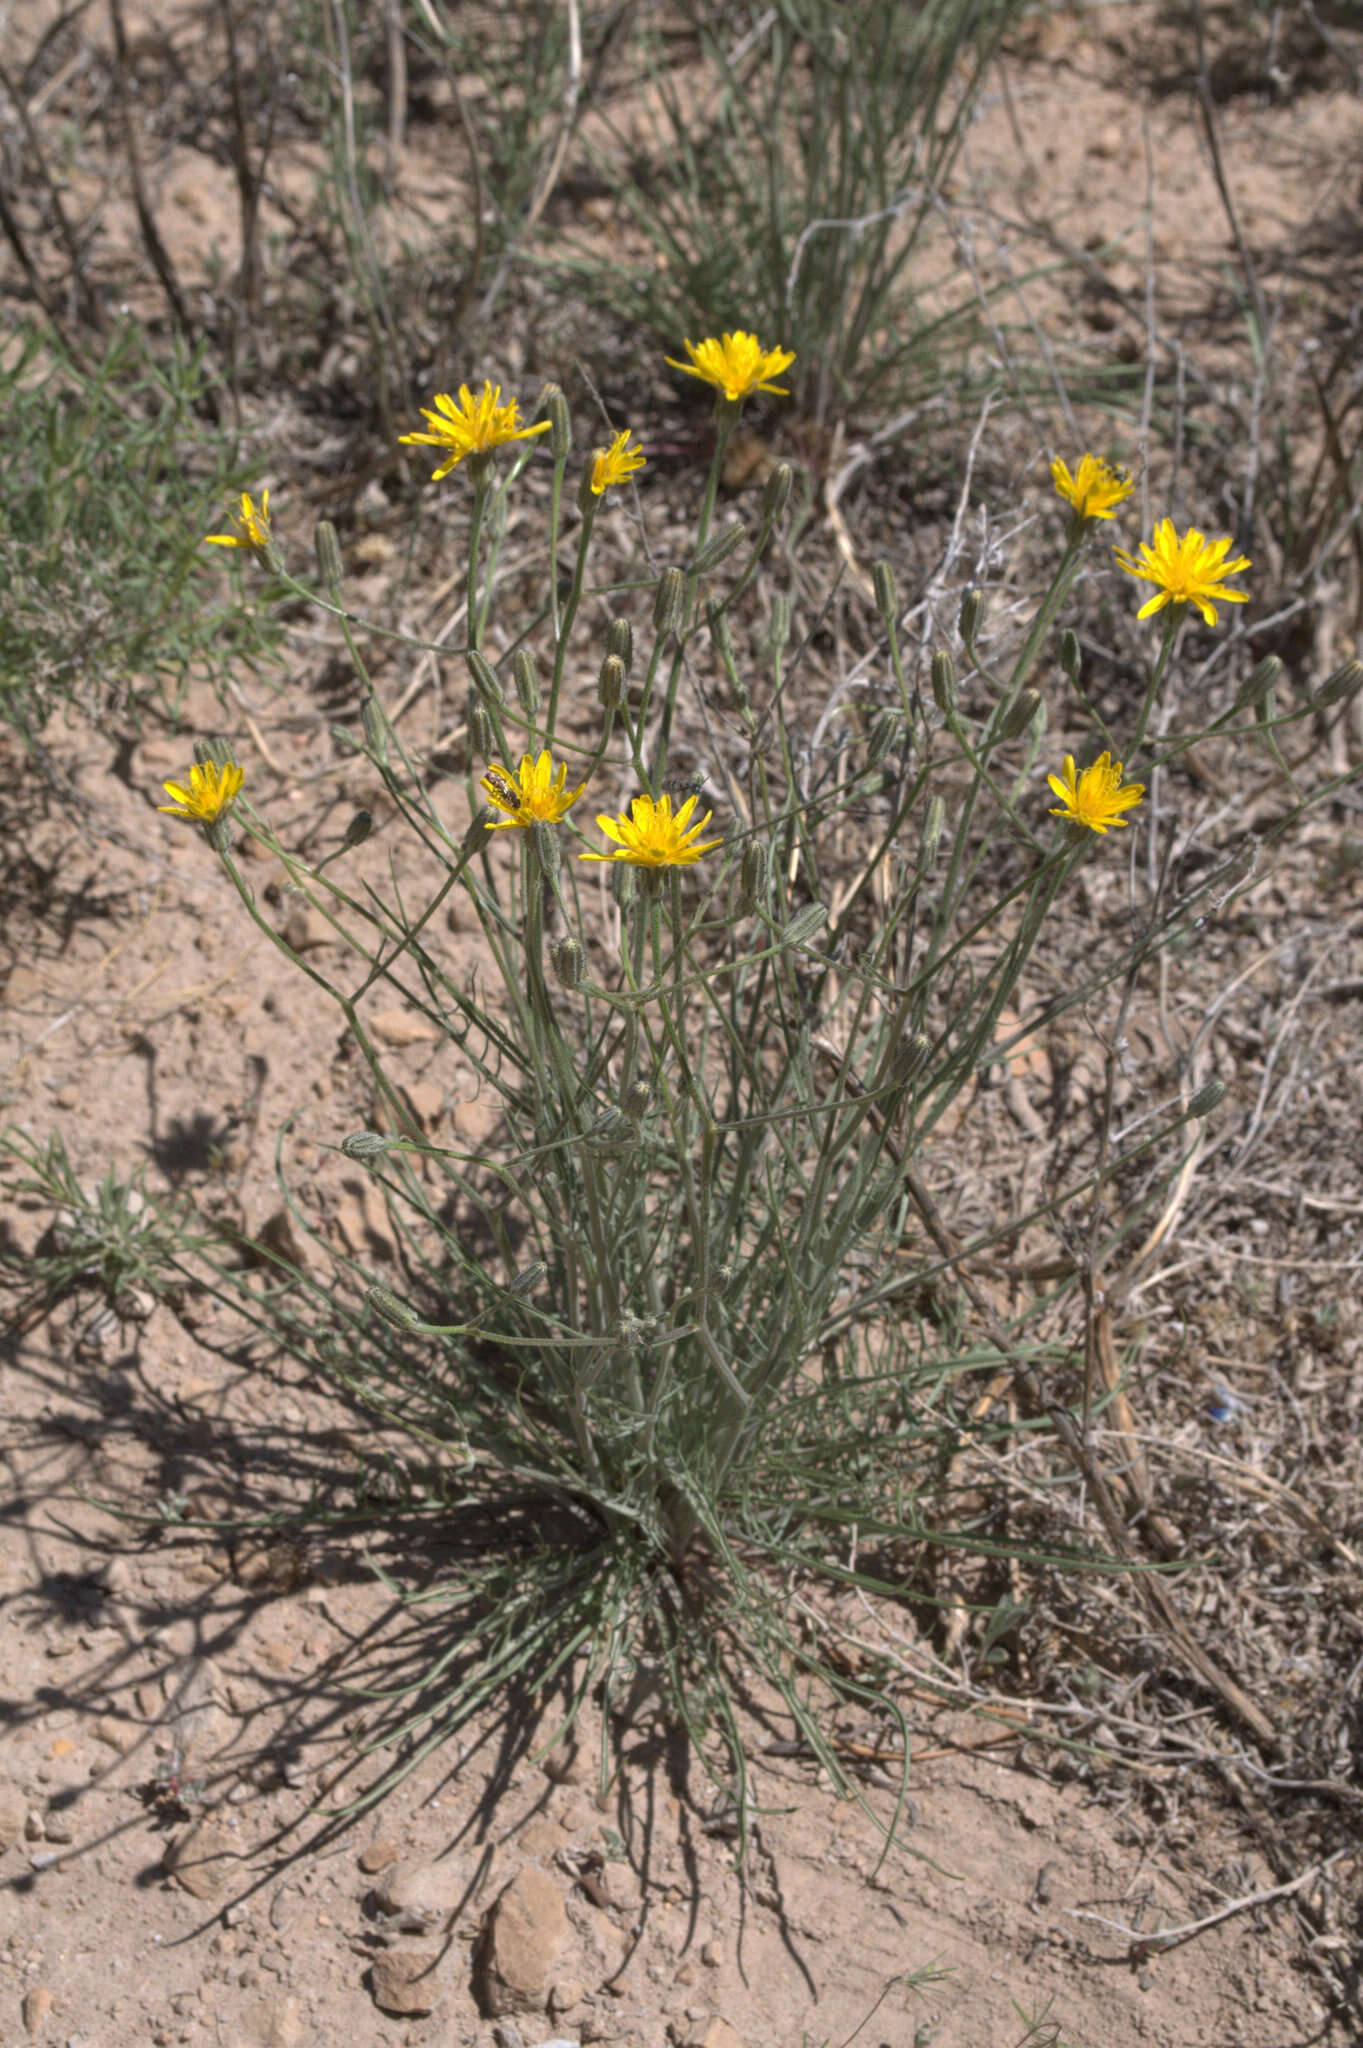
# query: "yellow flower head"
{"type": "Point", "coordinates": [651, 837]}
{"type": "Point", "coordinates": [255, 528]}
{"type": "Point", "coordinates": [1095, 489]}
{"type": "Point", "coordinates": [1188, 570]}
{"type": "Point", "coordinates": [1096, 798]}
{"type": "Point", "coordinates": [475, 426]}
{"type": "Point", "coordinates": [212, 790]}
{"type": "Point", "coordinates": [614, 464]}
{"type": "Point", "coordinates": [737, 365]}
{"type": "Point", "coordinates": [537, 795]}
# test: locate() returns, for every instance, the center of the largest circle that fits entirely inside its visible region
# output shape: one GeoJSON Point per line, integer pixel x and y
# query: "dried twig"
{"type": "Point", "coordinates": [1143, 1945]}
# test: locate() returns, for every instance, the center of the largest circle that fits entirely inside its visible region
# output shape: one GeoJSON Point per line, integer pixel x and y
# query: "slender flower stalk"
{"type": "Point", "coordinates": [1095, 490]}
{"type": "Point", "coordinates": [650, 837]}
{"type": "Point", "coordinates": [737, 365]}
{"type": "Point", "coordinates": [1188, 568]}
{"type": "Point", "coordinates": [1097, 797]}
{"type": "Point", "coordinates": [614, 464]}
{"type": "Point", "coordinates": [473, 426]}
{"type": "Point", "coordinates": [254, 524]}
{"type": "Point", "coordinates": [212, 791]}
{"type": "Point", "coordinates": [537, 794]}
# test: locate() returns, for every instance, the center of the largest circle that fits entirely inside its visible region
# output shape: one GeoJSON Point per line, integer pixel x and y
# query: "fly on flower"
{"type": "Point", "coordinates": [1097, 797]}
{"type": "Point", "coordinates": [1189, 569]}
{"type": "Point", "coordinates": [537, 795]}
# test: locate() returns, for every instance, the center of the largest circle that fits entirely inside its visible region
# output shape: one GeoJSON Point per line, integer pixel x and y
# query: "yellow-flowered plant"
{"type": "Point", "coordinates": [1095, 490]}
{"type": "Point", "coordinates": [614, 465]}
{"type": "Point", "coordinates": [676, 1285]}
{"type": "Point", "coordinates": [472, 426]}
{"type": "Point", "coordinates": [1188, 568]}
{"type": "Point", "coordinates": [254, 522]}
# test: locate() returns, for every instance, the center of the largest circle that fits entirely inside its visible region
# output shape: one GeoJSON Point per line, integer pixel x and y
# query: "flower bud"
{"type": "Point", "coordinates": [636, 1101]}
{"type": "Point", "coordinates": [386, 1304]}
{"type": "Point", "coordinates": [887, 595]}
{"type": "Point", "coordinates": [610, 684]}
{"type": "Point", "coordinates": [485, 678]}
{"type": "Point", "coordinates": [526, 678]}
{"type": "Point", "coordinates": [971, 616]}
{"type": "Point", "coordinates": [1207, 1099]}
{"type": "Point", "coordinates": [933, 820]}
{"type": "Point", "coordinates": [1020, 714]}
{"type": "Point", "coordinates": [364, 1145]}
{"type": "Point", "coordinates": [1259, 682]}
{"type": "Point", "coordinates": [669, 601]}
{"type": "Point", "coordinates": [569, 962]}
{"type": "Point", "coordinates": [804, 924]}
{"type": "Point", "coordinates": [553, 406]}
{"type": "Point", "coordinates": [719, 547]}
{"type": "Point", "coordinates": [357, 831]}
{"type": "Point", "coordinates": [329, 563]}
{"type": "Point", "coordinates": [480, 729]}
{"type": "Point", "coordinates": [548, 852]}
{"type": "Point", "coordinates": [375, 722]}
{"type": "Point", "coordinates": [882, 737]}
{"type": "Point", "coordinates": [753, 874]}
{"type": "Point", "coordinates": [944, 681]}
{"type": "Point", "coordinates": [620, 642]}
{"type": "Point", "coordinates": [778, 630]}
{"type": "Point", "coordinates": [624, 883]}
{"type": "Point", "coordinates": [474, 840]}
{"type": "Point", "coordinates": [909, 1058]}
{"type": "Point", "coordinates": [1069, 654]}
{"type": "Point", "coordinates": [776, 496]}
{"type": "Point", "coordinates": [529, 1278]}
{"type": "Point", "coordinates": [1345, 682]}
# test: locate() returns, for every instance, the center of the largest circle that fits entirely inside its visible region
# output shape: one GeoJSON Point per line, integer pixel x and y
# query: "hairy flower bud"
{"type": "Point", "coordinates": [719, 547]}
{"type": "Point", "coordinates": [933, 820]}
{"type": "Point", "coordinates": [971, 616]}
{"type": "Point", "coordinates": [357, 831]}
{"type": "Point", "coordinates": [669, 602]}
{"type": "Point", "coordinates": [480, 729]}
{"type": "Point", "coordinates": [1069, 654]}
{"type": "Point", "coordinates": [753, 874]}
{"type": "Point", "coordinates": [636, 1101]}
{"type": "Point", "coordinates": [569, 962]}
{"type": "Point", "coordinates": [394, 1312]}
{"type": "Point", "coordinates": [1020, 714]}
{"type": "Point", "coordinates": [882, 736]}
{"type": "Point", "coordinates": [610, 684]}
{"type": "Point", "coordinates": [553, 406]}
{"type": "Point", "coordinates": [1259, 682]}
{"type": "Point", "coordinates": [526, 678]}
{"type": "Point", "coordinates": [329, 563]}
{"type": "Point", "coordinates": [776, 496]}
{"type": "Point", "coordinates": [548, 852]}
{"type": "Point", "coordinates": [375, 723]}
{"type": "Point", "coordinates": [1207, 1099]}
{"type": "Point", "coordinates": [804, 924]}
{"type": "Point", "coordinates": [528, 1279]}
{"type": "Point", "coordinates": [485, 678]}
{"type": "Point", "coordinates": [944, 681]}
{"type": "Point", "coordinates": [886, 592]}
{"type": "Point", "coordinates": [1345, 682]}
{"type": "Point", "coordinates": [909, 1058]}
{"type": "Point", "coordinates": [620, 642]}
{"type": "Point", "coordinates": [364, 1145]}
{"type": "Point", "coordinates": [475, 838]}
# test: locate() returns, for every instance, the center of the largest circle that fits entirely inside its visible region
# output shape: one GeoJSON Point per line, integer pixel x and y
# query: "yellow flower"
{"type": "Point", "coordinates": [475, 426]}
{"type": "Point", "coordinates": [535, 795]}
{"type": "Point", "coordinates": [1096, 798]}
{"type": "Point", "coordinates": [255, 528]}
{"type": "Point", "coordinates": [1095, 489]}
{"type": "Point", "coordinates": [614, 464]}
{"type": "Point", "coordinates": [651, 837]}
{"type": "Point", "coordinates": [737, 365]}
{"type": "Point", "coordinates": [212, 790]}
{"type": "Point", "coordinates": [1188, 571]}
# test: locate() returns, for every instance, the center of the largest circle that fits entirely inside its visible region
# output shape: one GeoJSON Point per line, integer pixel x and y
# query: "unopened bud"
{"type": "Point", "coordinates": [529, 1278]}
{"type": "Point", "coordinates": [375, 723]}
{"type": "Point", "coordinates": [636, 1101]}
{"type": "Point", "coordinates": [721, 635]}
{"type": "Point", "coordinates": [882, 737]}
{"type": "Point", "coordinates": [944, 681]}
{"type": "Point", "coordinates": [480, 729]}
{"type": "Point", "coordinates": [329, 562]}
{"type": "Point", "coordinates": [474, 840]}
{"type": "Point", "coordinates": [610, 684]}
{"type": "Point", "coordinates": [485, 678]}
{"type": "Point", "coordinates": [1069, 654]}
{"type": "Point", "coordinates": [804, 924]}
{"type": "Point", "coordinates": [620, 642]}
{"type": "Point", "coordinates": [386, 1304]}
{"type": "Point", "coordinates": [364, 1145]}
{"type": "Point", "coordinates": [525, 676]}
{"type": "Point", "coordinates": [1207, 1099]}
{"type": "Point", "coordinates": [553, 406]}
{"type": "Point", "coordinates": [909, 1058]}
{"type": "Point", "coordinates": [624, 883]}
{"type": "Point", "coordinates": [753, 874]}
{"type": "Point", "coordinates": [933, 820]}
{"type": "Point", "coordinates": [778, 631]}
{"type": "Point", "coordinates": [776, 496]}
{"type": "Point", "coordinates": [1259, 682]}
{"type": "Point", "coordinates": [1020, 714]}
{"type": "Point", "coordinates": [548, 852]}
{"type": "Point", "coordinates": [719, 547]}
{"type": "Point", "coordinates": [357, 831]}
{"type": "Point", "coordinates": [610, 1125]}
{"type": "Point", "coordinates": [887, 595]}
{"type": "Point", "coordinates": [569, 962]}
{"type": "Point", "coordinates": [668, 601]}
{"type": "Point", "coordinates": [972, 615]}
{"type": "Point", "coordinates": [1345, 682]}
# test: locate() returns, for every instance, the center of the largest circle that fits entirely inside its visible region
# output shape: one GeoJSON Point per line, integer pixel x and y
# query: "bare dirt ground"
{"type": "Point", "coordinates": [181, 1710]}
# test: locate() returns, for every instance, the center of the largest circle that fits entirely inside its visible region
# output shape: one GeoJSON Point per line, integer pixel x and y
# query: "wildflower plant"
{"type": "Point", "coordinates": [688, 1294]}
